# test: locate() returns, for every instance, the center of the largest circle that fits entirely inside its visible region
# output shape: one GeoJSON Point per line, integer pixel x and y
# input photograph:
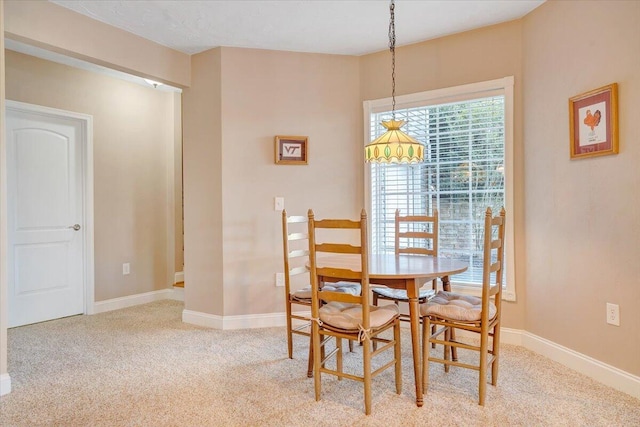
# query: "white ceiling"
{"type": "Point", "coordinates": [347, 27]}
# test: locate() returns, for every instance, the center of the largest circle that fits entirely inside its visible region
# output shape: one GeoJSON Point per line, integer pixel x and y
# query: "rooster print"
{"type": "Point", "coordinates": [592, 120]}
{"type": "Point", "coordinates": [593, 124]}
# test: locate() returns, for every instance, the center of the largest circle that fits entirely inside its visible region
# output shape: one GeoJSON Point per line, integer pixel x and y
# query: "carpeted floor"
{"type": "Point", "coordinates": [142, 366]}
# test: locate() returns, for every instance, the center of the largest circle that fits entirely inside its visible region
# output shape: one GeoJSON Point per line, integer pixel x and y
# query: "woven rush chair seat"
{"type": "Point", "coordinates": [348, 317]}
{"type": "Point", "coordinates": [352, 288]}
{"type": "Point", "coordinates": [401, 294]}
{"type": "Point", "coordinates": [463, 308]}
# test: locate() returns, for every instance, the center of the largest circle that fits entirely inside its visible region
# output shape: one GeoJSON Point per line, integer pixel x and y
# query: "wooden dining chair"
{"type": "Point", "coordinates": [449, 311]}
{"type": "Point", "coordinates": [344, 316]}
{"type": "Point", "coordinates": [297, 288]}
{"type": "Point", "coordinates": [416, 235]}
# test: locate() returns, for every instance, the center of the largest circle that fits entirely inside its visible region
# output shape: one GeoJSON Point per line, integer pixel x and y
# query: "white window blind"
{"type": "Point", "coordinates": [463, 173]}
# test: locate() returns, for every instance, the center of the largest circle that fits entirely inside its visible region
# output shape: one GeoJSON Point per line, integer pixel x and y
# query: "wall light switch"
{"type": "Point", "coordinates": [126, 269]}
{"type": "Point", "coordinates": [278, 203]}
{"type": "Point", "coordinates": [279, 279]}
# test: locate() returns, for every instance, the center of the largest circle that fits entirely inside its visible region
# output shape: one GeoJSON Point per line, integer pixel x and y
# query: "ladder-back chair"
{"type": "Point", "coordinates": [344, 316]}
{"type": "Point", "coordinates": [295, 245]}
{"type": "Point", "coordinates": [416, 235]}
{"type": "Point", "coordinates": [449, 311]}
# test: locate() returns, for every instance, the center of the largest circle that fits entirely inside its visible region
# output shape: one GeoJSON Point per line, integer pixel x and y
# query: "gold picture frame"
{"type": "Point", "coordinates": [291, 150]}
{"type": "Point", "coordinates": [593, 123]}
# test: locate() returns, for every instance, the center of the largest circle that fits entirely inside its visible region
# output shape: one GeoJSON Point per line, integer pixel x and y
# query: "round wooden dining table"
{"type": "Point", "coordinates": [402, 271]}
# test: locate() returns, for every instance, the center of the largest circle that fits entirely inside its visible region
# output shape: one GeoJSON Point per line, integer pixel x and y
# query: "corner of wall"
{"type": "Point", "coordinates": [5, 382]}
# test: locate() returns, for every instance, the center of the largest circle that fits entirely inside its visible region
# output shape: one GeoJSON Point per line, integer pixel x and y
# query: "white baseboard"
{"type": "Point", "coordinates": [177, 294]}
{"type": "Point", "coordinates": [202, 319]}
{"type": "Point", "coordinates": [599, 371]}
{"type": "Point", "coordinates": [251, 321]}
{"type": "Point", "coordinates": [255, 321]}
{"type": "Point", "coordinates": [5, 384]}
{"type": "Point", "coordinates": [511, 336]}
{"type": "Point", "coordinates": [179, 277]}
{"type": "Point", "coordinates": [131, 300]}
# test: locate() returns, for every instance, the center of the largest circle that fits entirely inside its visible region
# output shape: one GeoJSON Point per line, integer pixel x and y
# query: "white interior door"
{"type": "Point", "coordinates": [45, 216]}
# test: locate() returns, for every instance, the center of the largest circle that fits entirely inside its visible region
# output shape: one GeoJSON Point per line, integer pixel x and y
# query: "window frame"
{"type": "Point", "coordinates": [503, 86]}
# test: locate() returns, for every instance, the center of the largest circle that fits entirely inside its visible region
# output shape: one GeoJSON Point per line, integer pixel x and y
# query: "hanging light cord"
{"type": "Point", "coordinates": [392, 48]}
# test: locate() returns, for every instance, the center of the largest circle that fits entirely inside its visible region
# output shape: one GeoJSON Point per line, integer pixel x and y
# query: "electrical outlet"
{"type": "Point", "coordinates": [279, 279]}
{"type": "Point", "coordinates": [613, 314]}
{"type": "Point", "coordinates": [126, 269]}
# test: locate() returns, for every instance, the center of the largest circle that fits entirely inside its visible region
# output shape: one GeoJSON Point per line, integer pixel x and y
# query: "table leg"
{"type": "Point", "coordinates": [446, 284]}
{"type": "Point", "coordinates": [414, 314]}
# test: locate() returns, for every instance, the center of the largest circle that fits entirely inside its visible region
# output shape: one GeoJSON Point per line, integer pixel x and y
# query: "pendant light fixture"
{"type": "Point", "coordinates": [394, 146]}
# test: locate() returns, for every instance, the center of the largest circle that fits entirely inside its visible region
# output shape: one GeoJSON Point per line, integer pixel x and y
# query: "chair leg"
{"type": "Point", "coordinates": [482, 381]}
{"type": "Point", "coordinates": [398, 356]}
{"type": "Point", "coordinates": [339, 356]}
{"type": "Point", "coordinates": [434, 286]}
{"type": "Point", "coordinates": [366, 356]}
{"type": "Point", "coordinates": [454, 350]}
{"type": "Point", "coordinates": [310, 362]}
{"type": "Point", "coordinates": [289, 333]}
{"type": "Point", "coordinates": [496, 354]}
{"type": "Point", "coordinates": [315, 334]}
{"type": "Point", "coordinates": [425, 353]}
{"type": "Point", "coordinates": [448, 333]}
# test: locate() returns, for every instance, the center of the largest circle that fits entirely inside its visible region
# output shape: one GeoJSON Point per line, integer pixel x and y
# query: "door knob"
{"type": "Point", "coordinates": [75, 227]}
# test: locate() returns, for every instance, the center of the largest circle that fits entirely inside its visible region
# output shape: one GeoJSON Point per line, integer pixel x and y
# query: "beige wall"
{"type": "Point", "coordinates": [268, 93]}
{"type": "Point", "coordinates": [49, 26]}
{"type": "Point", "coordinates": [203, 159]}
{"type": "Point", "coordinates": [133, 128]}
{"type": "Point", "coordinates": [239, 100]}
{"type": "Point", "coordinates": [582, 224]}
{"type": "Point", "coordinates": [486, 54]}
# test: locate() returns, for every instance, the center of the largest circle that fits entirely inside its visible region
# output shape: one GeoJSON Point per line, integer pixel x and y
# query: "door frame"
{"type": "Point", "coordinates": [86, 143]}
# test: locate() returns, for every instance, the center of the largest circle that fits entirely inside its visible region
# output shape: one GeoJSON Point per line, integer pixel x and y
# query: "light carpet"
{"type": "Point", "coordinates": [142, 366]}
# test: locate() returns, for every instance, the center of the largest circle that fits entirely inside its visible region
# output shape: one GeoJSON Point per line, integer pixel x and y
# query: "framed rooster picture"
{"type": "Point", "coordinates": [593, 122]}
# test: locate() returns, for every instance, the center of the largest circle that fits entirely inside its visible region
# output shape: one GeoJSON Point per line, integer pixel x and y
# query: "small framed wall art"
{"type": "Point", "coordinates": [593, 122]}
{"type": "Point", "coordinates": [291, 150]}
